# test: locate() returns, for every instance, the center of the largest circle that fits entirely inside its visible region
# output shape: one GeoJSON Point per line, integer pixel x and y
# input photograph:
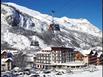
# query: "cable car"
{"type": "Point", "coordinates": [34, 43]}
{"type": "Point", "coordinates": [56, 27]}
{"type": "Point", "coordinates": [53, 27]}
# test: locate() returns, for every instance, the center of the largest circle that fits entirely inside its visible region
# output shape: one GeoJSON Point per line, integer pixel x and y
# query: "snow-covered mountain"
{"type": "Point", "coordinates": [20, 25]}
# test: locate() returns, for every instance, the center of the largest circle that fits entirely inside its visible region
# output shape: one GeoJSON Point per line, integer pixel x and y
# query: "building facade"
{"type": "Point", "coordinates": [100, 58]}
{"type": "Point", "coordinates": [6, 60]}
{"type": "Point", "coordinates": [87, 56]}
{"type": "Point", "coordinates": [51, 56]}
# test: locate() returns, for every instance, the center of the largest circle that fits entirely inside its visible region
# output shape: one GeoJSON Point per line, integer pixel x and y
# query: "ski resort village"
{"type": "Point", "coordinates": [39, 45]}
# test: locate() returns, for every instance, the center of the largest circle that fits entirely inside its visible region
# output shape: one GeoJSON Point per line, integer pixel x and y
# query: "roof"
{"type": "Point", "coordinates": [57, 48]}
{"type": "Point", "coordinates": [85, 52]}
{"type": "Point", "coordinates": [99, 54]}
{"type": "Point", "coordinates": [9, 51]}
{"type": "Point", "coordinates": [30, 55]}
{"type": "Point", "coordinates": [94, 51]}
{"type": "Point", "coordinates": [2, 51]}
{"type": "Point", "coordinates": [47, 48]}
{"type": "Point", "coordinates": [3, 60]}
{"type": "Point", "coordinates": [40, 52]}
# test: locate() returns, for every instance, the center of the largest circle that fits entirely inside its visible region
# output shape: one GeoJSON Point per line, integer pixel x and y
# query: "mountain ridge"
{"type": "Point", "coordinates": [43, 17]}
{"type": "Point", "coordinates": [26, 26]}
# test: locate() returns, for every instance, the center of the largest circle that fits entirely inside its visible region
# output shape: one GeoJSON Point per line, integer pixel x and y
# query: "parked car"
{"type": "Point", "coordinates": [20, 73]}
{"type": "Point", "coordinates": [59, 73]}
{"type": "Point", "coordinates": [26, 71]}
{"type": "Point", "coordinates": [34, 75]}
{"type": "Point", "coordinates": [6, 75]}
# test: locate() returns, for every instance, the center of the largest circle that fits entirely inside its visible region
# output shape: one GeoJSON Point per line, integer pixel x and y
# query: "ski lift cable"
{"type": "Point", "coordinates": [59, 9]}
{"type": "Point", "coordinates": [67, 2]}
{"type": "Point", "coordinates": [52, 12]}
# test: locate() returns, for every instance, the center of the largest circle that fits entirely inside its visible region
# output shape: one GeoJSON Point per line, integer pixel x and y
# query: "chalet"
{"type": "Point", "coordinates": [87, 56]}
{"type": "Point", "coordinates": [12, 51]}
{"type": "Point", "coordinates": [6, 64]}
{"type": "Point", "coordinates": [6, 60]}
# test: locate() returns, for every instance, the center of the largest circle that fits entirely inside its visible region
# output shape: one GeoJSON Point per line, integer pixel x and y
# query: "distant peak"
{"type": "Point", "coordinates": [64, 17]}
{"type": "Point", "coordinates": [84, 20]}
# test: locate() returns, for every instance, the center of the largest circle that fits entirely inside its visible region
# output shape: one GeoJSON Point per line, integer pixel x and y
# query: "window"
{"type": "Point", "coordinates": [44, 61]}
{"type": "Point", "coordinates": [3, 64]}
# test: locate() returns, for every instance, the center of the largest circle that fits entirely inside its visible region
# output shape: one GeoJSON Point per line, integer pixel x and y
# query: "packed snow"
{"type": "Point", "coordinates": [62, 73]}
{"type": "Point", "coordinates": [17, 41]}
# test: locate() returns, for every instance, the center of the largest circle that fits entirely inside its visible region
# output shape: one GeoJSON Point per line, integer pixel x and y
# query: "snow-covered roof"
{"type": "Point", "coordinates": [99, 54]}
{"type": "Point", "coordinates": [30, 55]}
{"type": "Point", "coordinates": [57, 47]}
{"type": "Point", "coordinates": [40, 52]}
{"type": "Point", "coordinates": [85, 52]}
{"type": "Point", "coordinates": [47, 48]}
{"type": "Point", "coordinates": [2, 51]}
{"type": "Point", "coordinates": [77, 49]}
{"type": "Point", "coordinates": [9, 51]}
{"type": "Point", "coordinates": [94, 52]}
{"type": "Point", "coordinates": [13, 51]}
{"type": "Point", "coordinates": [3, 60]}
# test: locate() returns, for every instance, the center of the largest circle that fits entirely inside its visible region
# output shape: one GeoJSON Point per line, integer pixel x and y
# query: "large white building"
{"type": "Point", "coordinates": [55, 57]}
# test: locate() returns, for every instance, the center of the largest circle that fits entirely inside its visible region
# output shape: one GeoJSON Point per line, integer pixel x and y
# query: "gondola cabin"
{"type": "Point", "coordinates": [34, 43]}
{"type": "Point", "coordinates": [53, 27]}
{"type": "Point", "coordinates": [56, 27]}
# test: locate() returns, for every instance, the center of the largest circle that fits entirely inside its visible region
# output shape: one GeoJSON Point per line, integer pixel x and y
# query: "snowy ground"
{"type": "Point", "coordinates": [97, 73]}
